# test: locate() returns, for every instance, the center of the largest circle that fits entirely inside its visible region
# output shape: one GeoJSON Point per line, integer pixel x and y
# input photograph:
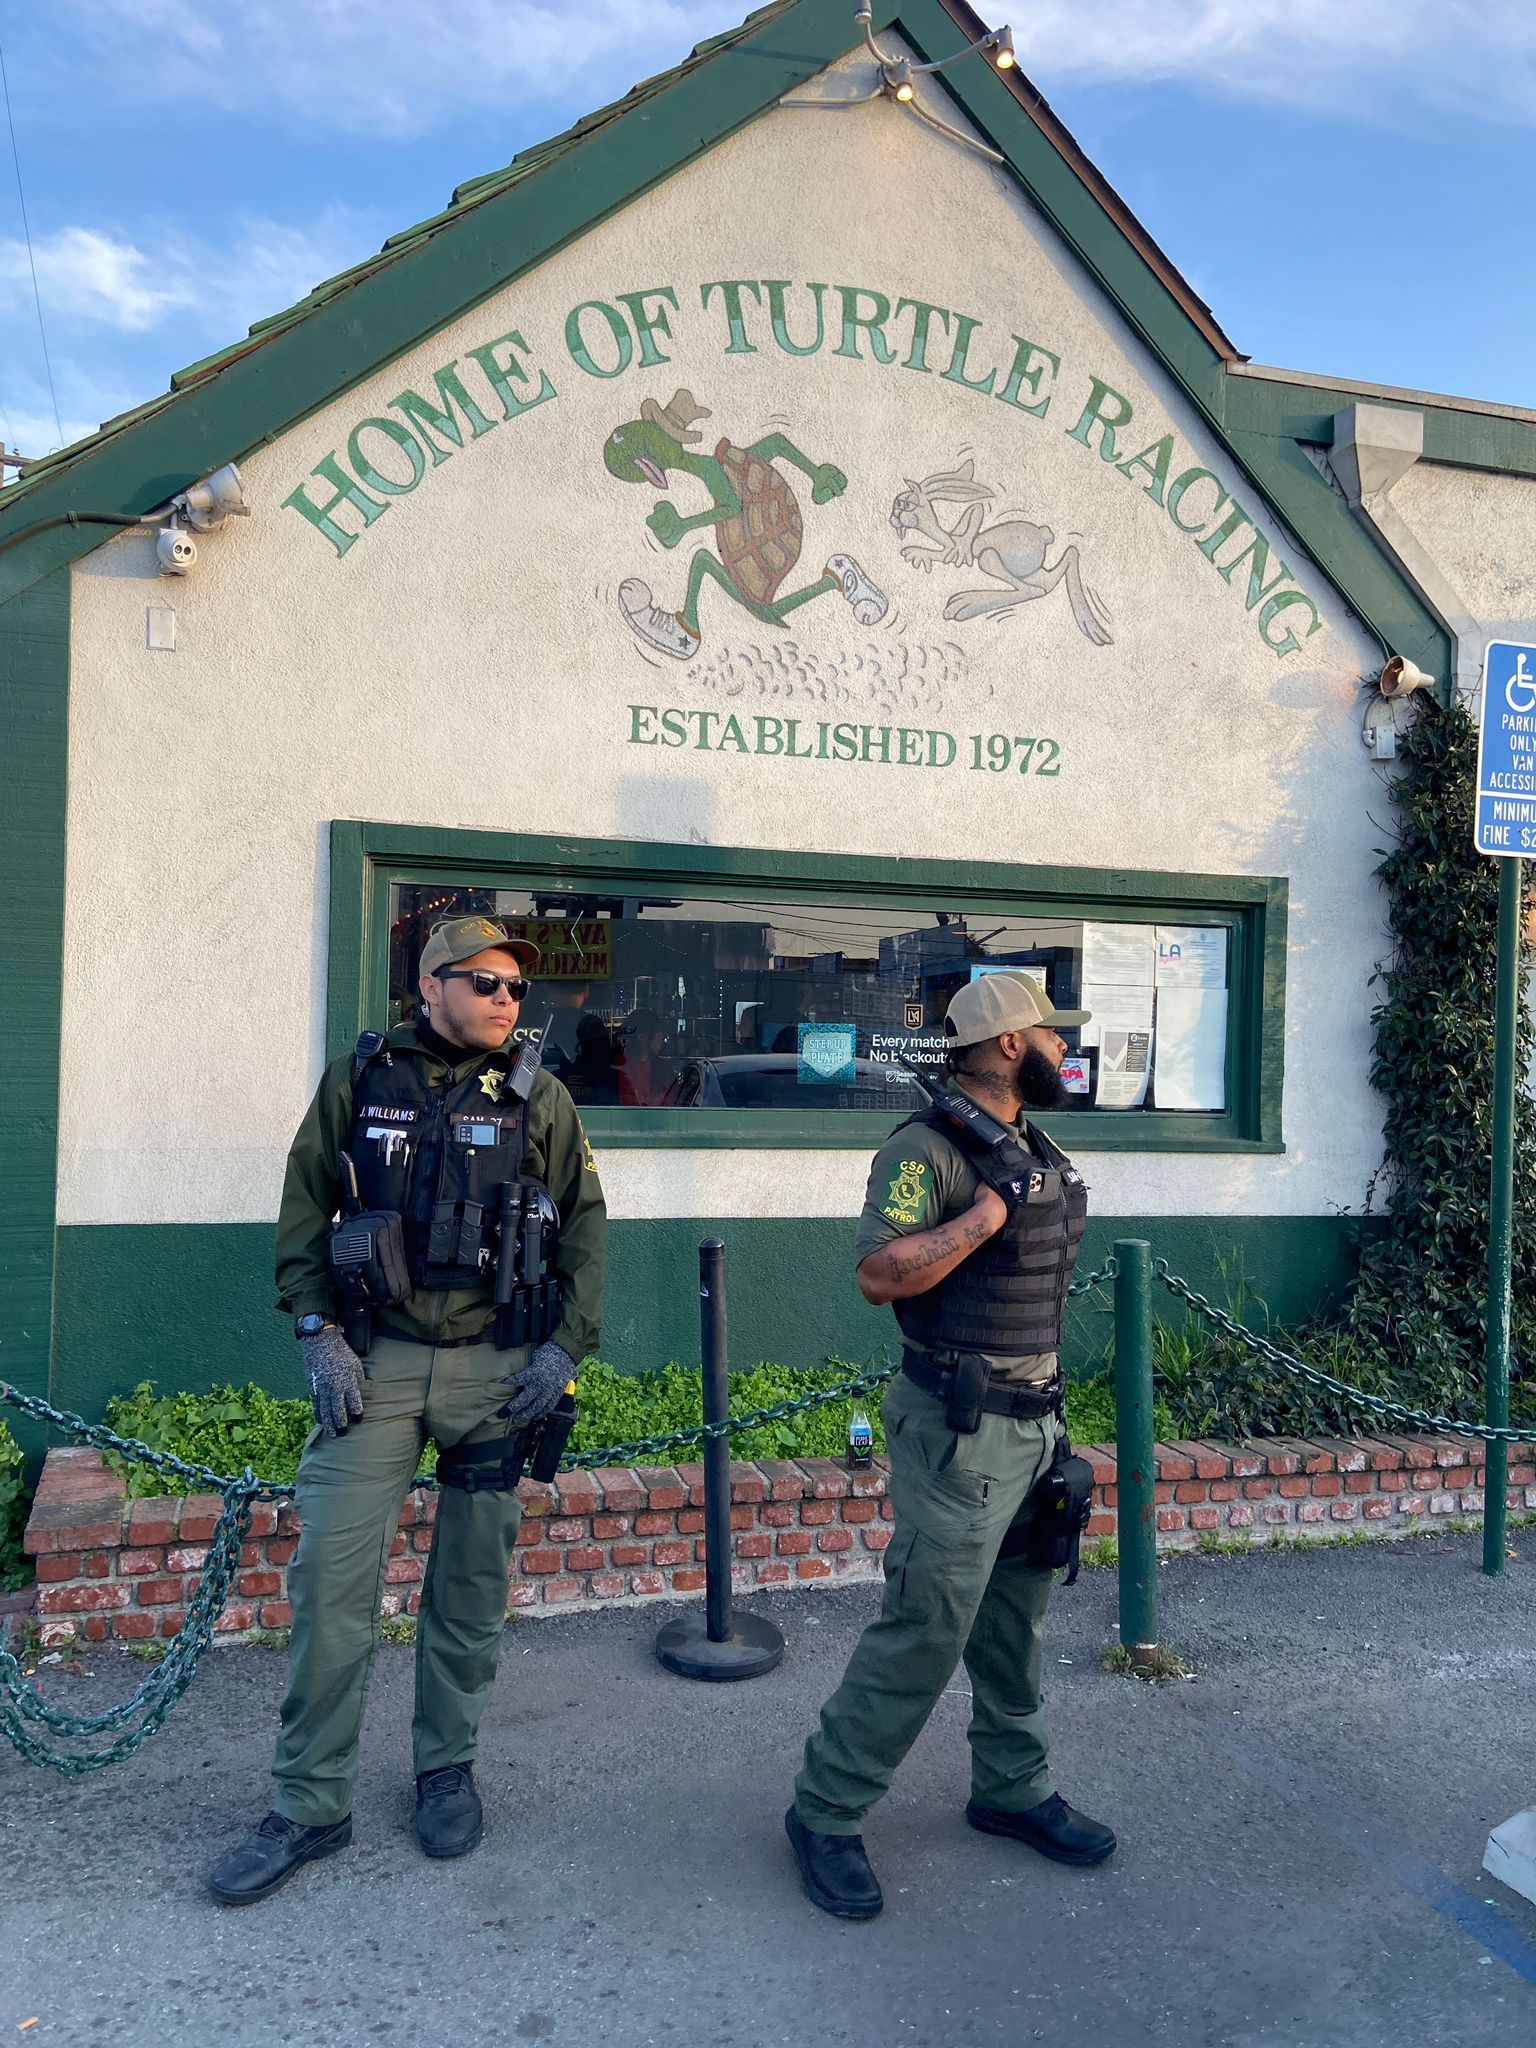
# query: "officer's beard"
{"type": "Point", "coordinates": [1039, 1082]}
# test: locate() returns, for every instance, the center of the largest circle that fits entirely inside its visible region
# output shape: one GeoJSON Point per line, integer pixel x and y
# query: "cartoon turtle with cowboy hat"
{"type": "Point", "coordinates": [753, 511]}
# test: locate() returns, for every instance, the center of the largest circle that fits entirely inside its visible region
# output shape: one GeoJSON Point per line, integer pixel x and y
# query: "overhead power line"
{"type": "Point", "coordinates": [37, 300]}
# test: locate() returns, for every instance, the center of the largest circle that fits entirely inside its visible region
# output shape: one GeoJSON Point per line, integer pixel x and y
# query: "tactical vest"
{"type": "Point", "coordinates": [1010, 1294]}
{"type": "Point", "coordinates": [440, 1158]}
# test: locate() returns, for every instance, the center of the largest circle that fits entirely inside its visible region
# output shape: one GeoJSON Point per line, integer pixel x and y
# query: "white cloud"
{"type": "Point", "coordinates": [410, 66]}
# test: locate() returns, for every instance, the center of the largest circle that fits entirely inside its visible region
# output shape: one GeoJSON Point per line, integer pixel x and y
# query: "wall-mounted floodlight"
{"type": "Point", "coordinates": [217, 498]}
{"type": "Point", "coordinates": [895, 75]}
{"type": "Point", "coordinates": [1399, 677]}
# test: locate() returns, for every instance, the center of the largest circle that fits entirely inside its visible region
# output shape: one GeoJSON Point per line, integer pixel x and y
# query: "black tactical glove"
{"type": "Point", "coordinates": [335, 1374]}
{"type": "Point", "coordinates": [540, 1384]}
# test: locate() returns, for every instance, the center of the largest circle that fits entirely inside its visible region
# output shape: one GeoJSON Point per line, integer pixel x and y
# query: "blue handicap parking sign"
{"type": "Point", "coordinates": [1506, 752]}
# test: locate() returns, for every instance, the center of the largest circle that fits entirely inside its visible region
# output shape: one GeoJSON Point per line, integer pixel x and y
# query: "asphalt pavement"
{"type": "Point", "coordinates": [1301, 1832]}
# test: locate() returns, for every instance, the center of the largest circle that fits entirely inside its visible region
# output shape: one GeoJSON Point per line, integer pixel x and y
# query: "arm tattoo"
{"type": "Point", "coordinates": [941, 1249]}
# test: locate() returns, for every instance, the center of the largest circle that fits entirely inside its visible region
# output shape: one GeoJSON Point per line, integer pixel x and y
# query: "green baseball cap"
{"type": "Point", "coordinates": [994, 1003]}
{"type": "Point", "coordinates": [461, 938]}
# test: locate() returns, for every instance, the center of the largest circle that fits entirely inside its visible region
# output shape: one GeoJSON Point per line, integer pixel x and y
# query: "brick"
{"type": "Point", "coordinates": [426, 1509]}
{"type": "Point", "coordinates": [151, 1523]}
{"type": "Point", "coordinates": [259, 1585]}
{"type": "Point", "coordinates": [1348, 1454]}
{"type": "Point", "coordinates": [835, 1539]}
{"type": "Point", "coordinates": [413, 1603]}
{"type": "Point", "coordinates": [422, 1540]}
{"type": "Point", "coordinates": [170, 1621]}
{"type": "Point", "coordinates": [134, 1627]}
{"type": "Point", "coordinates": [235, 1619]}
{"type": "Point", "coordinates": [104, 1598]}
{"type": "Point", "coordinates": [1170, 1518]}
{"type": "Point", "coordinates": [829, 1480]}
{"type": "Point", "coordinates": [523, 1596]}
{"type": "Point", "coordinates": [98, 1565]}
{"type": "Point", "coordinates": [199, 1516]}
{"type": "Point", "coordinates": [630, 1553]}
{"type": "Point", "coordinates": [1381, 1453]}
{"type": "Point", "coordinates": [1102, 1459]}
{"type": "Point", "coordinates": [690, 1521]}
{"type": "Point", "coordinates": [606, 1527]}
{"type": "Point", "coordinates": [585, 1557]}
{"type": "Point", "coordinates": [859, 1511]}
{"type": "Point", "coordinates": [165, 1592]}
{"type": "Point", "coordinates": [54, 1635]}
{"type": "Point", "coordinates": [567, 1529]}
{"type": "Point", "coordinates": [691, 1473]}
{"type": "Point", "coordinates": [674, 1552]}
{"type": "Point", "coordinates": [1223, 1489]}
{"type": "Point", "coordinates": [1171, 1464]}
{"type": "Point", "coordinates": [700, 1550]}
{"type": "Point", "coordinates": [1258, 1489]}
{"type": "Point", "coordinates": [1378, 1508]}
{"type": "Point", "coordinates": [1248, 1461]}
{"type": "Point", "coordinates": [1276, 1511]}
{"type": "Point", "coordinates": [536, 1500]}
{"type": "Point", "coordinates": [1360, 1482]}
{"type": "Point", "coordinates": [82, 1527]}
{"type": "Point", "coordinates": [621, 1490]}
{"type": "Point", "coordinates": [877, 1538]}
{"type": "Point", "coordinates": [1101, 1522]}
{"type": "Point", "coordinates": [400, 1571]}
{"type": "Point", "coordinates": [1310, 1511]}
{"type": "Point", "coordinates": [689, 1581]}
{"type": "Point", "coordinates": [1280, 1459]}
{"type": "Point", "coordinates": [399, 1543]}
{"type": "Point", "coordinates": [64, 1564]}
{"type": "Point", "coordinates": [1189, 1490]}
{"type": "Point", "coordinates": [608, 1585]}
{"type": "Point", "coordinates": [888, 1512]}
{"type": "Point", "coordinates": [740, 1518]}
{"type": "Point", "coordinates": [654, 1524]}
{"type": "Point", "coordinates": [785, 1479]}
{"type": "Point", "coordinates": [815, 1514]}
{"type": "Point", "coordinates": [776, 1514]}
{"type": "Point", "coordinates": [1212, 1460]}
{"type": "Point", "coordinates": [1293, 1489]}
{"type": "Point", "coordinates": [663, 1486]}
{"type": "Point", "coordinates": [1411, 1504]}
{"type": "Point", "coordinates": [1392, 1482]}
{"type": "Point", "coordinates": [1454, 1481]}
{"type": "Point", "coordinates": [873, 1480]}
{"type": "Point", "coordinates": [1443, 1504]}
{"type": "Point", "coordinates": [562, 1589]}
{"type": "Point", "coordinates": [1426, 1480]}
{"type": "Point", "coordinates": [1521, 1475]}
{"type": "Point", "coordinates": [577, 1494]}
{"type": "Point", "coordinates": [794, 1543]}
{"type": "Point", "coordinates": [76, 1472]}
{"type": "Point", "coordinates": [756, 1544]}
{"type": "Point", "coordinates": [772, 1574]}
{"type": "Point", "coordinates": [748, 1486]}
{"type": "Point", "coordinates": [94, 1628]}
{"type": "Point", "coordinates": [541, 1561]}
{"type": "Point", "coordinates": [648, 1582]}
{"type": "Point", "coordinates": [183, 1560]}
{"type": "Point", "coordinates": [813, 1568]}
{"type": "Point", "coordinates": [1240, 1517]}
{"type": "Point", "coordinates": [1450, 1452]}
{"type": "Point", "coordinates": [276, 1614]}
{"type": "Point", "coordinates": [134, 1563]}
{"type": "Point", "coordinates": [1327, 1486]}
{"type": "Point", "coordinates": [1344, 1510]}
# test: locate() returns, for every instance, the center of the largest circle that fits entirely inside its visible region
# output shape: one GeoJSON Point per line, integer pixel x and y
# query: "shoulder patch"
{"type": "Point", "coordinates": [907, 1195]}
{"type": "Point", "coordinates": [588, 1162]}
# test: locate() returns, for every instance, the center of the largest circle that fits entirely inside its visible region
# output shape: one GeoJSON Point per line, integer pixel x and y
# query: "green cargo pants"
{"type": "Point", "coordinates": [947, 1595]}
{"type": "Point", "coordinates": [349, 1494]}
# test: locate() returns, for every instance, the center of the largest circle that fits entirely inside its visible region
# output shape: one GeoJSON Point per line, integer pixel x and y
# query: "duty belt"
{"type": "Point", "coordinates": [436, 1343]}
{"type": "Point", "coordinates": [1024, 1403]}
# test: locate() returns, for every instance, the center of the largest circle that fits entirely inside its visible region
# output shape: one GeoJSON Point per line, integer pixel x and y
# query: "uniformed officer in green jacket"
{"type": "Point", "coordinates": [418, 1134]}
{"type": "Point", "coordinates": [978, 1283]}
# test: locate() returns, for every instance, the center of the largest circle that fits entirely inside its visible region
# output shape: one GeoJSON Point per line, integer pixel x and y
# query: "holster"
{"type": "Point", "coordinates": [1059, 1507]}
{"type": "Point", "coordinates": [368, 1263]}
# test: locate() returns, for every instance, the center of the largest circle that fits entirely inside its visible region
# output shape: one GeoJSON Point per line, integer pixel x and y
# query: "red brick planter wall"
{"type": "Point", "coordinates": [108, 1567]}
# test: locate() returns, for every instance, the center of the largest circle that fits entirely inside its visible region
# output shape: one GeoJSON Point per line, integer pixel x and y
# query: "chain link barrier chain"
{"type": "Point", "coordinates": [1373, 1404]}
{"type": "Point", "coordinates": [22, 1704]}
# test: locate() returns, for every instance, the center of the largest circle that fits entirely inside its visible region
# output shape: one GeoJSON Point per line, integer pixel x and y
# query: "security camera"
{"type": "Point", "coordinates": [1399, 677]}
{"type": "Point", "coordinates": [216, 498]}
{"type": "Point", "coordinates": [175, 550]}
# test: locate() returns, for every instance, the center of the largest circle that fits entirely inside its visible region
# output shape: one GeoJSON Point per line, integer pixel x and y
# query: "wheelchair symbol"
{"type": "Point", "coordinates": [1520, 690]}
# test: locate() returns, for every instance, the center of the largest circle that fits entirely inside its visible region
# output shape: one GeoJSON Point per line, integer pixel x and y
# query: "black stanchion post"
{"type": "Point", "coordinates": [725, 1641]}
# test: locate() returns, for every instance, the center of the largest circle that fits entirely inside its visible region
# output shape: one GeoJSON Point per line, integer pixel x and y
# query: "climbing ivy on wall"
{"type": "Point", "coordinates": [1417, 1314]}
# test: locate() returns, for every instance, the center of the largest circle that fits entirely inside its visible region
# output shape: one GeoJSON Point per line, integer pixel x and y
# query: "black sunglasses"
{"type": "Point", "coordinates": [484, 983]}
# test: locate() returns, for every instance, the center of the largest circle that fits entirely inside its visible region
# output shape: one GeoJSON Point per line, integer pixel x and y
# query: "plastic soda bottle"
{"type": "Point", "coordinates": [861, 1441]}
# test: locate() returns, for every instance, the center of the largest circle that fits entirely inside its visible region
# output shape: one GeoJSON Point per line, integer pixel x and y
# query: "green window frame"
{"type": "Point", "coordinates": [368, 859]}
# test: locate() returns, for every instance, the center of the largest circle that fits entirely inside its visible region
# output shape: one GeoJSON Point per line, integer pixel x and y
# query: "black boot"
{"type": "Point", "coordinates": [269, 1856]}
{"type": "Point", "coordinates": [449, 1821]}
{"type": "Point", "coordinates": [1054, 1828]}
{"type": "Point", "coordinates": [834, 1870]}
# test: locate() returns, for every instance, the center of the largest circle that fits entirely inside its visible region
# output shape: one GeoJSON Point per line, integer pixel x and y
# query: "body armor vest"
{"type": "Point", "coordinates": [1009, 1296]}
{"type": "Point", "coordinates": [441, 1158]}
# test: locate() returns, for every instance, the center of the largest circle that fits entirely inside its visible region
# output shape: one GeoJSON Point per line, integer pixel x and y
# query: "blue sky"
{"type": "Point", "coordinates": [1346, 182]}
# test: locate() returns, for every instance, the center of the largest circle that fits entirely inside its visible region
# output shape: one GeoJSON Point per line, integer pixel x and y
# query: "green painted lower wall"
{"type": "Point", "coordinates": [190, 1304]}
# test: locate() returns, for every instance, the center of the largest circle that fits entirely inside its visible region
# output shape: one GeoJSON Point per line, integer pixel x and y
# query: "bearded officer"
{"type": "Point", "coordinates": [978, 1283]}
{"type": "Point", "coordinates": [421, 1128]}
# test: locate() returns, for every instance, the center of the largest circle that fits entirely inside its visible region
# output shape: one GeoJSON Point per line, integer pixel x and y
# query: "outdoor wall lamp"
{"type": "Point", "coordinates": [1382, 726]}
{"type": "Point", "coordinates": [894, 78]}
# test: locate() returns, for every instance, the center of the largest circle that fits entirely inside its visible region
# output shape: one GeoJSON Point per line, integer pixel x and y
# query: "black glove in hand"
{"type": "Point", "coordinates": [539, 1385]}
{"type": "Point", "coordinates": [335, 1374]}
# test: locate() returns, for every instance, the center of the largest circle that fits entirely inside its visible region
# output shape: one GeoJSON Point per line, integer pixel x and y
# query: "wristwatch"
{"type": "Point", "coordinates": [312, 1325]}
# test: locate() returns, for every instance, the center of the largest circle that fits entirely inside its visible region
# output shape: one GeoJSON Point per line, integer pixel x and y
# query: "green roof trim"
{"type": "Point", "coordinates": [501, 224]}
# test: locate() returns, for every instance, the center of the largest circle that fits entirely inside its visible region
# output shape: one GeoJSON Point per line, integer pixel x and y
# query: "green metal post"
{"type": "Point", "coordinates": [1500, 1207]}
{"type": "Point", "coordinates": [1135, 1467]}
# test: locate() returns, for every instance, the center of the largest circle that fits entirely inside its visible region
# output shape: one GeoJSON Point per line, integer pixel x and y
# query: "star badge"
{"type": "Point", "coordinates": [490, 1082]}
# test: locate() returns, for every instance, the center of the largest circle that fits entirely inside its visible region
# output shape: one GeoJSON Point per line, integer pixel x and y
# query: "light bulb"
{"type": "Point", "coordinates": [1003, 45]}
{"type": "Point", "coordinates": [904, 90]}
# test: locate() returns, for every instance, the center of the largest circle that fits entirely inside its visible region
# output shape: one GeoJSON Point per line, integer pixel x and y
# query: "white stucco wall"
{"type": "Point", "coordinates": [465, 664]}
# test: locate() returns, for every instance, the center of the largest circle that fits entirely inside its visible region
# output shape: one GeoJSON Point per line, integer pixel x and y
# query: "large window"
{"type": "Point", "coordinates": [691, 995]}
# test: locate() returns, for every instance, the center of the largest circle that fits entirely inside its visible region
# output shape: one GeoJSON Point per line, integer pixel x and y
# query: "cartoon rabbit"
{"type": "Point", "coordinates": [1013, 551]}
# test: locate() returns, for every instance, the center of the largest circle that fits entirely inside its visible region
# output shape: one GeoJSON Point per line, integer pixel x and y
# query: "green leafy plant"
{"type": "Point", "coordinates": [14, 1499]}
{"type": "Point", "coordinates": [226, 1428]}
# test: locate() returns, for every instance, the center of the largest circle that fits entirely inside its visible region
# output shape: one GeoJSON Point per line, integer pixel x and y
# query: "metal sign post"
{"type": "Point", "coordinates": [1505, 828]}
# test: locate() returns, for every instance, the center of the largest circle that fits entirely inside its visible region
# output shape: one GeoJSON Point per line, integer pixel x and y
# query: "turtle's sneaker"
{"type": "Point", "coordinates": [663, 630]}
{"type": "Point", "coordinates": [869, 601]}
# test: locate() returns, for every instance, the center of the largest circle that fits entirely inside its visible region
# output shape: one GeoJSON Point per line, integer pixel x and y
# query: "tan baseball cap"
{"type": "Point", "coordinates": [461, 938]}
{"type": "Point", "coordinates": [994, 1003]}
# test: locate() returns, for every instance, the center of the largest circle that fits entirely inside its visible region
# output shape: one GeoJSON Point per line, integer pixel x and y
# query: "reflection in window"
{"type": "Point", "coordinates": [715, 1003]}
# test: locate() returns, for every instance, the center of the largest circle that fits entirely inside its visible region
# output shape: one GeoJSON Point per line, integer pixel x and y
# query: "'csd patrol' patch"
{"type": "Point", "coordinates": [907, 1194]}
